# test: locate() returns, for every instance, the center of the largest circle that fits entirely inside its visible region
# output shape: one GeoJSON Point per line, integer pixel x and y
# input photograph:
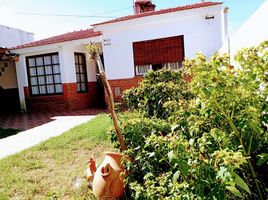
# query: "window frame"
{"type": "Point", "coordinates": [79, 73]}
{"type": "Point", "coordinates": [29, 76]}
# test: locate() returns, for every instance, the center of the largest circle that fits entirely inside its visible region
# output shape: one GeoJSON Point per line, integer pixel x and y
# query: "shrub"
{"type": "Point", "coordinates": [157, 88]}
{"type": "Point", "coordinates": [136, 129]}
{"type": "Point", "coordinates": [212, 144]}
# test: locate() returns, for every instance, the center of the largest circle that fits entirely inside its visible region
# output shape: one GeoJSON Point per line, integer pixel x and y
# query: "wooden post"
{"type": "Point", "coordinates": [96, 57]}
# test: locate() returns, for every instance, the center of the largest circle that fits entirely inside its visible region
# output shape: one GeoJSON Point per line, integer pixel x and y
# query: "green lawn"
{"type": "Point", "coordinates": [48, 170]}
{"type": "Point", "coordinates": [5, 132]}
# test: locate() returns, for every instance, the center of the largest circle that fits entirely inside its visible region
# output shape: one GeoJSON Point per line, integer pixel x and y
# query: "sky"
{"type": "Point", "coordinates": [19, 13]}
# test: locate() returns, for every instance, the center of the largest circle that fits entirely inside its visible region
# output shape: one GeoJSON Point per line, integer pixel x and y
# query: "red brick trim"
{"type": "Point", "coordinates": [69, 100]}
{"type": "Point", "coordinates": [124, 84]}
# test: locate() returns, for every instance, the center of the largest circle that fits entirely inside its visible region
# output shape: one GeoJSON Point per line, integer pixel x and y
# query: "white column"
{"type": "Point", "coordinates": [22, 80]}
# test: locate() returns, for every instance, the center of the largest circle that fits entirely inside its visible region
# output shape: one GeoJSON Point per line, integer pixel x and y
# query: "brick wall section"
{"type": "Point", "coordinates": [69, 100]}
{"type": "Point", "coordinates": [124, 84]}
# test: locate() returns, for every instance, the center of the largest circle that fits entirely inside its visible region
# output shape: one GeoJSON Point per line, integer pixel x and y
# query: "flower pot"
{"type": "Point", "coordinates": [108, 180]}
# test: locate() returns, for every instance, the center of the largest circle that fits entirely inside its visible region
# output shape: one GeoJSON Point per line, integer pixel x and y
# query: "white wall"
{"type": "Point", "coordinates": [8, 78]}
{"type": "Point", "coordinates": [11, 37]}
{"type": "Point", "coordinates": [91, 68]}
{"type": "Point", "coordinates": [253, 31]}
{"type": "Point", "coordinates": [67, 64]}
{"type": "Point", "coordinates": [200, 34]}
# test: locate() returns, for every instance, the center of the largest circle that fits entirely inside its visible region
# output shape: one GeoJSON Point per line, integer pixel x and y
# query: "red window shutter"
{"type": "Point", "coordinates": [159, 51]}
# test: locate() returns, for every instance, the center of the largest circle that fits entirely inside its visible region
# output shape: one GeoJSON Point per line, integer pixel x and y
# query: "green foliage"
{"type": "Point", "coordinates": [157, 88]}
{"type": "Point", "coordinates": [205, 140]}
{"type": "Point", "coordinates": [136, 129]}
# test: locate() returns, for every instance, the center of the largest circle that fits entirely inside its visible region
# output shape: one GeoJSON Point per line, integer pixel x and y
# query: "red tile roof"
{"type": "Point", "coordinates": [160, 12]}
{"type": "Point", "coordinates": [76, 35]}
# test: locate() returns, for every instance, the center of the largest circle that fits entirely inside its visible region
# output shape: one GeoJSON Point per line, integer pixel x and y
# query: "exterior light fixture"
{"type": "Point", "coordinates": [209, 17]}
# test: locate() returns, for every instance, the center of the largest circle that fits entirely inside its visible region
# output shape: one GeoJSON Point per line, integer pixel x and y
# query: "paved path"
{"type": "Point", "coordinates": [31, 137]}
{"type": "Point", "coordinates": [25, 121]}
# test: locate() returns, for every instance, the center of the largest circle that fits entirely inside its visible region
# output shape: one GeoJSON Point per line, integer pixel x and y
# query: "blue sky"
{"type": "Point", "coordinates": [46, 26]}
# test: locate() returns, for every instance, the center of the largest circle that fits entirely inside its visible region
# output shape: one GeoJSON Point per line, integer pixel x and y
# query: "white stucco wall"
{"type": "Point", "coordinates": [253, 31]}
{"type": "Point", "coordinates": [66, 52]}
{"type": "Point", "coordinates": [8, 79]}
{"type": "Point", "coordinates": [11, 37]}
{"type": "Point", "coordinates": [200, 34]}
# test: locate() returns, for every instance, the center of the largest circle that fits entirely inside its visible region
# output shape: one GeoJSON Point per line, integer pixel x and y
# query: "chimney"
{"type": "Point", "coordinates": [142, 6]}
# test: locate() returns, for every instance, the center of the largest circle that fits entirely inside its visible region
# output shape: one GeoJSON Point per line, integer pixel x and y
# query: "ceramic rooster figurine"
{"type": "Point", "coordinates": [90, 171]}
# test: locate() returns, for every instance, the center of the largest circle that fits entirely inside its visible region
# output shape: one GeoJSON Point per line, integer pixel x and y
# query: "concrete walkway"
{"type": "Point", "coordinates": [31, 137]}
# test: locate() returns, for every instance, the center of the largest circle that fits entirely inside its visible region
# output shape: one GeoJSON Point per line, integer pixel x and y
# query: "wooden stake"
{"type": "Point", "coordinates": [96, 57]}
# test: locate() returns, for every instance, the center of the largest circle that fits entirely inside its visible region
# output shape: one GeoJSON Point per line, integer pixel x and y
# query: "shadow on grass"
{"type": "Point", "coordinates": [7, 132]}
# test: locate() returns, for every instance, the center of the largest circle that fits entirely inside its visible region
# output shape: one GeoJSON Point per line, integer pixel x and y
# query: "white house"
{"type": "Point", "coordinates": [56, 73]}
{"type": "Point", "coordinates": [253, 31]}
{"type": "Point", "coordinates": [9, 37]}
{"type": "Point", "coordinates": [152, 40]}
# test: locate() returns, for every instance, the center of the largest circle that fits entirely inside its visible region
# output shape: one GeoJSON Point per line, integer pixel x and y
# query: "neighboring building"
{"type": "Point", "coordinates": [9, 37]}
{"type": "Point", "coordinates": [253, 31]}
{"type": "Point", "coordinates": [56, 73]}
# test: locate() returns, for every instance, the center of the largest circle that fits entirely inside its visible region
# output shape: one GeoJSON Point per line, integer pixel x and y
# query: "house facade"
{"type": "Point", "coordinates": [9, 37]}
{"type": "Point", "coordinates": [56, 73]}
{"type": "Point", "coordinates": [152, 40]}
{"type": "Point", "coordinates": [252, 32]}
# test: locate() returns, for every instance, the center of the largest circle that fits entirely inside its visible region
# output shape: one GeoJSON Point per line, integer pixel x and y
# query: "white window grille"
{"type": "Point", "coordinates": [142, 69]}
{"type": "Point", "coordinates": [173, 65]}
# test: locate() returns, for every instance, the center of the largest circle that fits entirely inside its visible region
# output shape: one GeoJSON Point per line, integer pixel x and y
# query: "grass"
{"type": "Point", "coordinates": [8, 132]}
{"type": "Point", "coordinates": [48, 170]}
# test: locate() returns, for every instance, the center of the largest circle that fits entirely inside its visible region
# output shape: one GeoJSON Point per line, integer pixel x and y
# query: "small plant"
{"type": "Point", "coordinates": [52, 196]}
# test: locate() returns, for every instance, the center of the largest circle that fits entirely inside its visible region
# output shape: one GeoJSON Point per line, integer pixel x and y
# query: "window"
{"type": "Point", "coordinates": [142, 69]}
{"type": "Point", "coordinates": [173, 65]}
{"type": "Point", "coordinates": [44, 74]}
{"type": "Point", "coordinates": [158, 53]}
{"type": "Point", "coordinates": [81, 72]}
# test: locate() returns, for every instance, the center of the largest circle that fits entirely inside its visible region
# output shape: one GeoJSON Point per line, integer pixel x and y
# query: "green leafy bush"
{"type": "Point", "coordinates": [136, 129]}
{"type": "Point", "coordinates": [155, 90]}
{"type": "Point", "coordinates": [212, 144]}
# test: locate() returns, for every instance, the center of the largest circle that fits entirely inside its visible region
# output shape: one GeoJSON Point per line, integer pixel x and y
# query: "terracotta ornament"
{"type": "Point", "coordinates": [108, 180]}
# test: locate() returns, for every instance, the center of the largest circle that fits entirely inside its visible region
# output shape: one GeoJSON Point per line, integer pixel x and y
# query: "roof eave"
{"type": "Point", "coordinates": [155, 13]}
{"type": "Point", "coordinates": [21, 47]}
{"type": "Point", "coordinates": [51, 45]}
